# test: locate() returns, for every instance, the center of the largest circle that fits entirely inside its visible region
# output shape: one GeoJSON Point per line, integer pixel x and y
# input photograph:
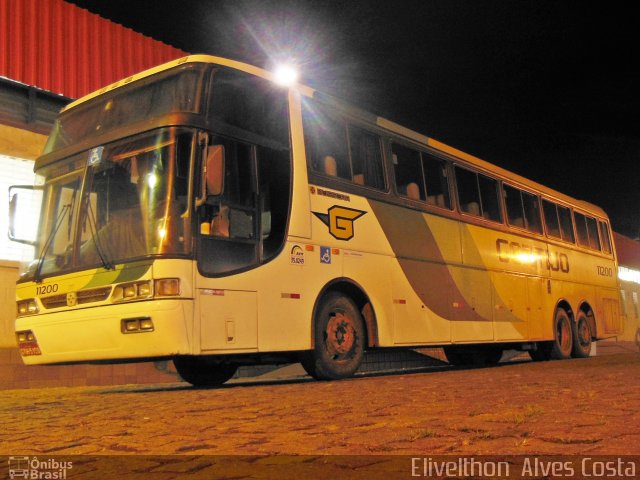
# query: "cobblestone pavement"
{"type": "Point", "coordinates": [589, 406]}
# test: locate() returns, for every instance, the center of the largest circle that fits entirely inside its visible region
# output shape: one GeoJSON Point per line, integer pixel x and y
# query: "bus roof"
{"type": "Point", "coordinates": [368, 117]}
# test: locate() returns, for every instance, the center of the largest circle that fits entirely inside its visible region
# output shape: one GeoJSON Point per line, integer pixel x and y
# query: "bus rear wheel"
{"type": "Point", "coordinates": [581, 337]}
{"type": "Point", "coordinates": [203, 371]}
{"type": "Point", "coordinates": [339, 338]}
{"type": "Point", "coordinates": [562, 344]}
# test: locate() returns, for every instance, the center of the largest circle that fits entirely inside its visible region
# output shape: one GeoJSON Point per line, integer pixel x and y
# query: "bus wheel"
{"type": "Point", "coordinates": [562, 344]}
{"type": "Point", "coordinates": [581, 337]}
{"type": "Point", "coordinates": [204, 372]}
{"type": "Point", "coordinates": [338, 341]}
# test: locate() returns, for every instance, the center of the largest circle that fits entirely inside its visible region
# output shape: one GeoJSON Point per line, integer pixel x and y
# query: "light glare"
{"type": "Point", "coordinates": [286, 75]}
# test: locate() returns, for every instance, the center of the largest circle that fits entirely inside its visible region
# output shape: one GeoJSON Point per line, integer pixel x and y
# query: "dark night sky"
{"type": "Point", "coordinates": [542, 87]}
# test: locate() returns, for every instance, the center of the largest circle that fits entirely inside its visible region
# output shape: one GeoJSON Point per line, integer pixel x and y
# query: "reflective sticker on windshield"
{"type": "Point", "coordinates": [95, 156]}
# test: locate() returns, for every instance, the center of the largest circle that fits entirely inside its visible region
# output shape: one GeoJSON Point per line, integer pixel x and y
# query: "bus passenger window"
{"type": "Point", "coordinates": [592, 230]}
{"type": "Point", "coordinates": [531, 204]}
{"type": "Point", "coordinates": [566, 224]}
{"type": "Point", "coordinates": [435, 171]}
{"type": "Point", "coordinates": [551, 219]}
{"type": "Point", "coordinates": [587, 231]}
{"type": "Point", "coordinates": [523, 209]}
{"type": "Point", "coordinates": [604, 234]}
{"type": "Point", "coordinates": [325, 141]}
{"type": "Point", "coordinates": [513, 202]}
{"type": "Point", "coordinates": [468, 194]}
{"type": "Point", "coordinates": [581, 228]}
{"type": "Point", "coordinates": [478, 195]}
{"type": "Point", "coordinates": [366, 158]}
{"type": "Point", "coordinates": [408, 172]}
{"type": "Point", "coordinates": [489, 198]}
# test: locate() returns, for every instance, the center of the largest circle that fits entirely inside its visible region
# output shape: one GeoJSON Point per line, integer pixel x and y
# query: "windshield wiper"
{"type": "Point", "coordinates": [37, 274]}
{"type": "Point", "coordinates": [106, 263]}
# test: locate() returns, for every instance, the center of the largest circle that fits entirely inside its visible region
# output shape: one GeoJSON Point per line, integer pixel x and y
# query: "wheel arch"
{"type": "Point", "coordinates": [585, 307]}
{"type": "Point", "coordinates": [563, 304]}
{"type": "Point", "coordinates": [353, 290]}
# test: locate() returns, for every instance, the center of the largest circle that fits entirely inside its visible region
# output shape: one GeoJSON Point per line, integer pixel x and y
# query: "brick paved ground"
{"type": "Point", "coordinates": [587, 406]}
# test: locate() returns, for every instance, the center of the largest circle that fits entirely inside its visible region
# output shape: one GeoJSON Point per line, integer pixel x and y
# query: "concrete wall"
{"type": "Point", "coordinates": [8, 277]}
{"type": "Point", "coordinates": [15, 142]}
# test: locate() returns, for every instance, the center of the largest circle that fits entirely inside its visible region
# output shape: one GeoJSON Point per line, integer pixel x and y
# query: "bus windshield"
{"type": "Point", "coordinates": [133, 203]}
{"type": "Point", "coordinates": [175, 92]}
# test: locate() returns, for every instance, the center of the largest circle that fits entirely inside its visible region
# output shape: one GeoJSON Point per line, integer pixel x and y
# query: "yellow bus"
{"type": "Point", "coordinates": [201, 212]}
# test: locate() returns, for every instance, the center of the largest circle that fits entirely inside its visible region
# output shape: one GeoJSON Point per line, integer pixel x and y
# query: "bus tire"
{"type": "Point", "coordinates": [562, 345]}
{"type": "Point", "coordinates": [202, 371]}
{"type": "Point", "coordinates": [581, 336]}
{"type": "Point", "coordinates": [339, 339]}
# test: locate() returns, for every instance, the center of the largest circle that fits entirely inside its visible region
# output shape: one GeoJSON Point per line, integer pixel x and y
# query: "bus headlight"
{"type": "Point", "coordinates": [27, 307]}
{"type": "Point", "coordinates": [167, 287]}
{"type": "Point", "coordinates": [161, 287]}
{"type": "Point", "coordinates": [132, 291]}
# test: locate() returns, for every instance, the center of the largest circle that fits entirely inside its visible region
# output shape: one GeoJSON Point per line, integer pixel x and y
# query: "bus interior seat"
{"type": "Point", "coordinates": [517, 222]}
{"type": "Point", "coordinates": [437, 200]}
{"type": "Point", "coordinates": [473, 208]}
{"type": "Point", "coordinates": [413, 191]}
{"type": "Point", "coordinates": [220, 223]}
{"type": "Point", "coordinates": [330, 166]}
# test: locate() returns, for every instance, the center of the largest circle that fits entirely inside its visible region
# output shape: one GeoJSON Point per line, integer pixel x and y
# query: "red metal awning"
{"type": "Point", "coordinates": [64, 49]}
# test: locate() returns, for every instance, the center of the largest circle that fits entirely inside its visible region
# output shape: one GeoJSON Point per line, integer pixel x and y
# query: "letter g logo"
{"type": "Point", "coordinates": [340, 221]}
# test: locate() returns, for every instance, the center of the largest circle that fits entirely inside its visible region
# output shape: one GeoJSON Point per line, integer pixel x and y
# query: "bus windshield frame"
{"type": "Point", "coordinates": [116, 203]}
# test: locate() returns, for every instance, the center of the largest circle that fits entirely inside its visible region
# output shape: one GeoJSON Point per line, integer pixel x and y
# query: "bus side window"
{"type": "Point", "coordinates": [468, 193]}
{"type": "Point", "coordinates": [551, 218]}
{"type": "Point", "coordinates": [592, 230]}
{"type": "Point", "coordinates": [513, 202]}
{"type": "Point", "coordinates": [606, 239]}
{"type": "Point", "coordinates": [435, 171]}
{"type": "Point", "coordinates": [581, 228]}
{"type": "Point", "coordinates": [489, 198]}
{"type": "Point", "coordinates": [478, 194]}
{"type": "Point", "coordinates": [366, 158]}
{"type": "Point", "coordinates": [325, 141]}
{"type": "Point", "coordinates": [408, 172]}
{"type": "Point", "coordinates": [587, 231]}
{"type": "Point", "coordinates": [523, 209]}
{"type": "Point", "coordinates": [566, 224]}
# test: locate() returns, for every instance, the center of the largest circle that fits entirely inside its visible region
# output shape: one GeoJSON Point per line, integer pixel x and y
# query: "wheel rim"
{"type": "Point", "coordinates": [564, 335]}
{"type": "Point", "coordinates": [584, 335]}
{"type": "Point", "coordinates": [340, 335]}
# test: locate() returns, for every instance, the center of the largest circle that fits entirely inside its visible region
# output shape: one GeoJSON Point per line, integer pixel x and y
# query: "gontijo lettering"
{"type": "Point", "coordinates": [529, 255]}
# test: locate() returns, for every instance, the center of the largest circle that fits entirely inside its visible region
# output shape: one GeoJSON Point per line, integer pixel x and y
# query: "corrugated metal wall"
{"type": "Point", "coordinates": [59, 47]}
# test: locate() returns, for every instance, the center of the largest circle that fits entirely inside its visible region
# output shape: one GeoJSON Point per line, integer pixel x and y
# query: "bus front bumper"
{"type": "Point", "coordinates": [148, 329]}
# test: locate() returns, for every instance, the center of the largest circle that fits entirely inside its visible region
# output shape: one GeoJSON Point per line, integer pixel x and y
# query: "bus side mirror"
{"type": "Point", "coordinates": [13, 205]}
{"type": "Point", "coordinates": [21, 221]}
